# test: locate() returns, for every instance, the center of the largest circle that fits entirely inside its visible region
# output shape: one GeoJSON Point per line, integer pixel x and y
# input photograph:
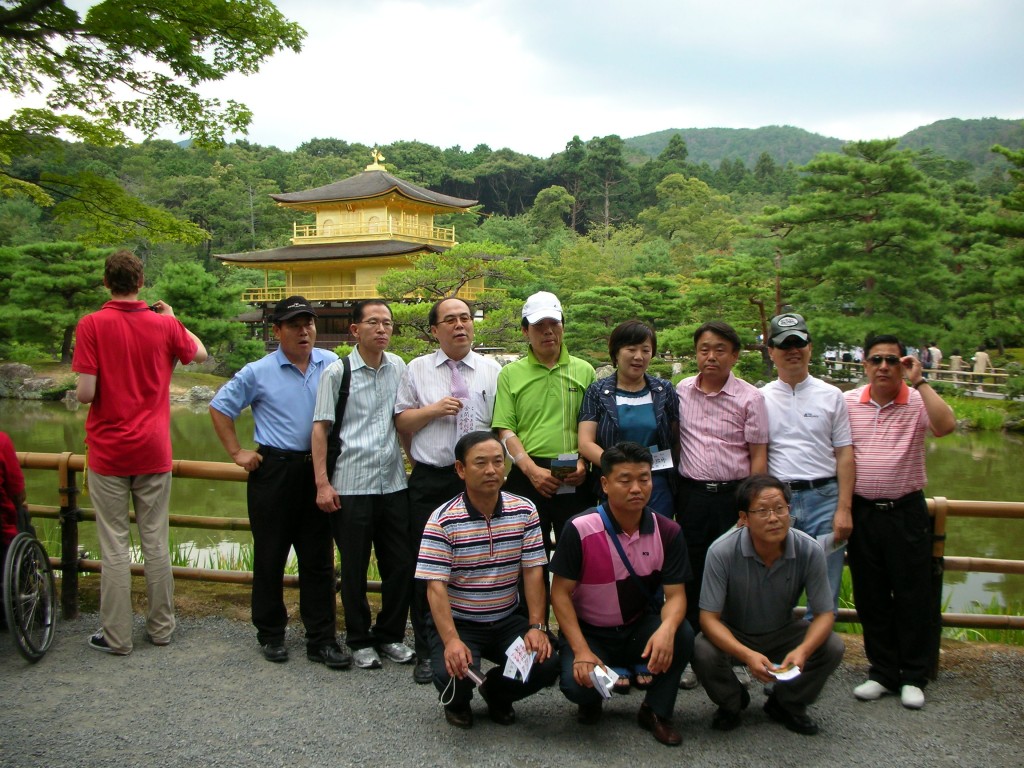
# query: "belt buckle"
{"type": "Point", "coordinates": [711, 487]}
{"type": "Point", "coordinates": [884, 505]}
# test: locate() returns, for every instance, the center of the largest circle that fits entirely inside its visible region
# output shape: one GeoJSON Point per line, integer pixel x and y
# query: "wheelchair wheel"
{"type": "Point", "coordinates": [30, 598]}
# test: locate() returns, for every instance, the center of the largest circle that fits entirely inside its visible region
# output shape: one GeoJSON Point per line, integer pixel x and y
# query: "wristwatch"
{"type": "Point", "coordinates": [541, 627]}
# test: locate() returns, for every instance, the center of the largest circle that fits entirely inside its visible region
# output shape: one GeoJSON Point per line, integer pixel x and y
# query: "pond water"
{"type": "Point", "coordinates": [975, 465]}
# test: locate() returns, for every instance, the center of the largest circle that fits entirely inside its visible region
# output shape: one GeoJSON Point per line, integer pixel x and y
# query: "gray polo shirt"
{"type": "Point", "coordinates": [754, 599]}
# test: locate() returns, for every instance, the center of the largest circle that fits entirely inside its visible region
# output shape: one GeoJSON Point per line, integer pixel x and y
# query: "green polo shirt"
{"type": "Point", "coordinates": [542, 405]}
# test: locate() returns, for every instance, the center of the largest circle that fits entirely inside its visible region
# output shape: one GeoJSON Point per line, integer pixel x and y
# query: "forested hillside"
{"type": "Point", "coordinates": [863, 237]}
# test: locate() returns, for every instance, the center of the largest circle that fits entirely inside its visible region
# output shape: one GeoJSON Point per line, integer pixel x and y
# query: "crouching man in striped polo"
{"type": "Point", "coordinates": [473, 550]}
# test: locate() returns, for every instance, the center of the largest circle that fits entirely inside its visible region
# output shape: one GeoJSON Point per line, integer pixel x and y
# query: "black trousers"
{"type": "Point", "coordinates": [429, 488]}
{"type": "Point", "coordinates": [380, 521]}
{"type": "Point", "coordinates": [489, 641]}
{"type": "Point", "coordinates": [283, 514]}
{"type": "Point", "coordinates": [890, 564]}
{"type": "Point", "coordinates": [703, 516]}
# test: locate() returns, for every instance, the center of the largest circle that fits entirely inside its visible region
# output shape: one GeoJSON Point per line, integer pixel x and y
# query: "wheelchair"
{"type": "Point", "coordinates": [29, 594]}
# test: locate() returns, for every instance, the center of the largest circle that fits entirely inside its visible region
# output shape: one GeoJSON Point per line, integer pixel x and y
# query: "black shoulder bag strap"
{"type": "Point", "coordinates": [334, 438]}
{"type": "Point", "coordinates": [625, 560]}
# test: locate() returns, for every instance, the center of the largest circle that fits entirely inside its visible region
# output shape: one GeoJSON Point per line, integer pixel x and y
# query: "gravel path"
{"type": "Point", "coordinates": [208, 699]}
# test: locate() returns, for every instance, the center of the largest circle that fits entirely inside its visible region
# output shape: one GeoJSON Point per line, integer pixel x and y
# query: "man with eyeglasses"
{"type": "Point", "coordinates": [365, 492]}
{"type": "Point", "coordinates": [753, 577]}
{"type": "Point", "coordinates": [890, 548]}
{"type": "Point", "coordinates": [443, 395]}
{"type": "Point", "coordinates": [809, 443]}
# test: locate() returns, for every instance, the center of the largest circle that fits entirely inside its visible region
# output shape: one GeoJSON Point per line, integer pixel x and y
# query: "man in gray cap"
{"type": "Point", "coordinates": [281, 390]}
{"type": "Point", "coordinates": [536, 413]}
{"type": "Point", "coordinates": [809, 443]}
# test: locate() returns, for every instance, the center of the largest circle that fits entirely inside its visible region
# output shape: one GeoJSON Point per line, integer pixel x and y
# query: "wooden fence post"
{"type": "Point", "coordinates": [69, 517]}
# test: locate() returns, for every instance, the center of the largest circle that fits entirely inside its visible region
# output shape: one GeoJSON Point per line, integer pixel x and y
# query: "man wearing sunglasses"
{"type": "Point", "coordinates": [809, 442]}
{"type": "Point", "coordinates": [891, 544]}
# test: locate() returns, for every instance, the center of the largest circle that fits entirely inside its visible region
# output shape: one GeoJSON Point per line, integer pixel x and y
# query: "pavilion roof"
{"type": "Point", "coordinates": [370, 184]}
{"type": "Point", "coordinates": [330, 251]}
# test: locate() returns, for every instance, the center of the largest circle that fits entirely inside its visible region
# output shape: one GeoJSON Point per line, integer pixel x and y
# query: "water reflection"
{"type": "Point", "coordinates": [961, 466]}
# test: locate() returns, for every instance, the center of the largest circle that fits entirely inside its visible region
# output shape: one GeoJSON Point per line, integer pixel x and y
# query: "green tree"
{"type": "Point", "coordinates": [46, 288]}
{"type": "Point", "coordinates": [608, 182]}
{"type": "Point", "coordinates": [549, 211]}
{"type": "Point", "coordinates": [691, 215]}
{"type": "Point", "coordinates": [124, 66]}
{"type": "Point", "coordinates": [862, 239]}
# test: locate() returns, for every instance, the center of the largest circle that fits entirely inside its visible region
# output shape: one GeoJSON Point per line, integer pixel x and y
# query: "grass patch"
{"type": "Point", "coordinates": [1001, 636]}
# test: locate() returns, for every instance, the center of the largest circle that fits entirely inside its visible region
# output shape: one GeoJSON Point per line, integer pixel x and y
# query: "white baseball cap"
{"type": "Point", "coordinates": [542, 305]}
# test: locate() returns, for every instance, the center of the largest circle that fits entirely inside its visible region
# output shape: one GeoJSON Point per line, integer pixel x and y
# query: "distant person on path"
{"type": "Point", "coordinates": [443, 395]}
{"type": "Point", "coordinates": [809, 448]}
{"type": "Point", "coordinates": [936, 355]}
{"type": "Point", "coordinates": [956, 364]}
{"type": "Point", "coordinates": [891, 546]}
{"type": "Point", "coordinates": [281, 390]}
{"type": "Point", "coordinates": [536, 415]}
{"type": "Point", "coordinates": [124, 356]}
{"type": "Point", "coordinates": [473, 589]}
{"type": "Point", "coordinates": [723, 438]}
{"type": "Point", "coordinates": [610, 568]}
{"type": "Point", "coordinates": [754, 576]}
{"type": "Point", "coordinates": [982, 364]}
{"type": "Point", "coordinates": [365, 491]}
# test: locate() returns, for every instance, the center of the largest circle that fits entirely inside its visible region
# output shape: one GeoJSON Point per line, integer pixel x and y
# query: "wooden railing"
{"type": "Point", "coordinates": [308, 233]}
{"type": "Point", "coordinates": [68, 465]}
{"type": "Point", "coordinates": [991, 382]}
{"type": "Point", "coordinates": [335, 293]}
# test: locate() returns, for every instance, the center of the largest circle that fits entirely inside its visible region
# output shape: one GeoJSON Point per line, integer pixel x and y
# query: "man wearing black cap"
{"type": "Point", "coordinates": [809, 443]}
{"type": "Point", "coordinates": [281, 389]}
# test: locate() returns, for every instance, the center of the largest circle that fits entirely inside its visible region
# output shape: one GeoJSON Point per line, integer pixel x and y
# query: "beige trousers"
{"type": "Point", "coordinates": [150, 496]}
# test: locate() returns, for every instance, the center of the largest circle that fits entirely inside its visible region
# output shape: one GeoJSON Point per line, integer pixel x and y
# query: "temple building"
{"type": "Point", "coordinates": [365, 225]}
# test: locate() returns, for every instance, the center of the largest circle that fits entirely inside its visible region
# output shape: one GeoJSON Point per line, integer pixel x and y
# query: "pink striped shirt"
{"type": "Point", "coordinates": [715, 430]}
{"type": "Point", "coordinates": [888, 443]}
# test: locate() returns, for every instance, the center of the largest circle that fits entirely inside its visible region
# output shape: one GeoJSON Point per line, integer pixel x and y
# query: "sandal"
{"type": "Point", "coordinates": [642, 677]}
{"type": "Point", "coordinates": [623, 683]}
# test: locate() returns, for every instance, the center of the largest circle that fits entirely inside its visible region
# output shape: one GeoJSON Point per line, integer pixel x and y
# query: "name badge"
{"type": "Point", "coordinates": [662, 459]}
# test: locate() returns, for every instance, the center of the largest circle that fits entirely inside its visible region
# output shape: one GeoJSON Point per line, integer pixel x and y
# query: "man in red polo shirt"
{"type": "Point", "coordinates": [891, 544]}
{"type": "Point", "coordinates": [124, 357]}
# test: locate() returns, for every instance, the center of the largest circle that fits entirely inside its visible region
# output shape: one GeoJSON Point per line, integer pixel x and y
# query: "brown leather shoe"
{"type": "Point", "coordinates": [459, 717]}
{"type": "Point", "coordinates": [661, 727]}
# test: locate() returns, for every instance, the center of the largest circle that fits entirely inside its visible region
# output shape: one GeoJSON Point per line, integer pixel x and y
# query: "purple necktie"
{"type": "Point", "coordinates": [459, 388]}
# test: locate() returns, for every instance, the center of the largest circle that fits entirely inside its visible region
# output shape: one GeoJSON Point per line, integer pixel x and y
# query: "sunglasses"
{"type": "Point", "coordinates": [888, 359]}
{"type": "Point", "coordinates": [793, 342]}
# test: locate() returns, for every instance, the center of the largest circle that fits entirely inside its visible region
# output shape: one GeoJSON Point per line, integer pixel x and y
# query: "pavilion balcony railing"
{"type": "Point", "coordinates": [334, 293]}
{"type": "Point", "coordinates": [312, 233]}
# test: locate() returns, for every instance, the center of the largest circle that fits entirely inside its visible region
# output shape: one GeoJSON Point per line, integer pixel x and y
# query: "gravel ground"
{"type": "Point", "coordinates": [209, 699]}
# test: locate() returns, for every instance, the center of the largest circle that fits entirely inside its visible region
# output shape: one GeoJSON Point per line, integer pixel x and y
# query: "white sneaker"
{"type": "Point", "coordinates": [743, 675]}
{"type": "Point", "coordinates": [689, 679]}
{"type": "Point", "coordinates": [912, 697]}
{"type": "Point", "coordinates": [400, 653]}
{"type": "Point", "coordinates": [870, 690]}
{"type": "Point", "coordinates": [366, 658]}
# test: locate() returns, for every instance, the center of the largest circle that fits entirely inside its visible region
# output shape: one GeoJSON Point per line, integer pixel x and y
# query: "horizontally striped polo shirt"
{"type": "Point", "coordinates": [888, 443]}
{"type": "Point", "coordinates": [480, 559]}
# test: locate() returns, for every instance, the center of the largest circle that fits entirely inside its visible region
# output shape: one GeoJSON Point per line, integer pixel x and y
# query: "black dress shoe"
{"type": "Point", "coordinates": [661, 727]}
{"type": "Point", "coordinates": [423, 672]}
{"type": "Point", "coordinates": [460, 717]}
{"type": "Point", "coordinates": [499, 710]}
{"type": "Point", "coordinates": [725, 720]}
{"type": "Point", "coordinates": [801, 724]}
{"type": "Point", "coordinates": [589, 714]}
{"type": "Point", "coordinates": [275, 652]}
{"type": "Point", "coordinates": [332, 656]}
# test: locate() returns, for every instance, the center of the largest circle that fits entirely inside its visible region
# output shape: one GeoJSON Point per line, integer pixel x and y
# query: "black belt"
{"type": "Point", "coordinates": [424, 467]}
{"type": "Point", "coordinates": [276, 453]}
{"type": "Point", "coordinates": [804, 485]}
{"type": "Point", "coordinates": [889, 504]}
{"type": "Point", "coordinates": [713, 486]}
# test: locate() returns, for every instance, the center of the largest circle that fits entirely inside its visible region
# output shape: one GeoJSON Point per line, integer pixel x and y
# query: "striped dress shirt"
{"type": "Point", "coordinates": [427, 379]}
{"type": "Point", "coordinates": [371, 460]}
{"type": "Point", "coordinates": [715, 430]}
{"type": "Point", "coordinates": [888, 443]}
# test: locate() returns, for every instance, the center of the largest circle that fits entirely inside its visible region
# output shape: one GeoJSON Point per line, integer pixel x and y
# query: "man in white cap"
{"type": "Point", "coordinates": [536, 413]}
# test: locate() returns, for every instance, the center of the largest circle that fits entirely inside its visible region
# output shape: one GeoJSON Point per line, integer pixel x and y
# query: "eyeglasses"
{"type": "Point", "coordinates": [763, 513]}
{"type": "Point", "coordinates": [373, 322]}
{"type": "Point", "coordinates": [793, 343]}
{"type": "Point", "coordinates": [888, 359]}
{"type": "Point", "coordinates": [464, 318]}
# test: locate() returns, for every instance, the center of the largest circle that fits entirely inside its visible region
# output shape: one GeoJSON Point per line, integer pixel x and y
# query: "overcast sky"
{"type": "Point", "coordinates": [530, 74]}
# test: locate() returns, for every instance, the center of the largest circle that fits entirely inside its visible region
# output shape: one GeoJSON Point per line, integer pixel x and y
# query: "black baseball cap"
{"type": "Point", "coordinates": [290, 307]}
{"type": "Point", "coordinates": [786, 325]}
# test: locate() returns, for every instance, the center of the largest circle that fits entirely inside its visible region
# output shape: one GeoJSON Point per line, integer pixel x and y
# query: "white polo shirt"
{"type": "Point", "coordinates": [805, 426]}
